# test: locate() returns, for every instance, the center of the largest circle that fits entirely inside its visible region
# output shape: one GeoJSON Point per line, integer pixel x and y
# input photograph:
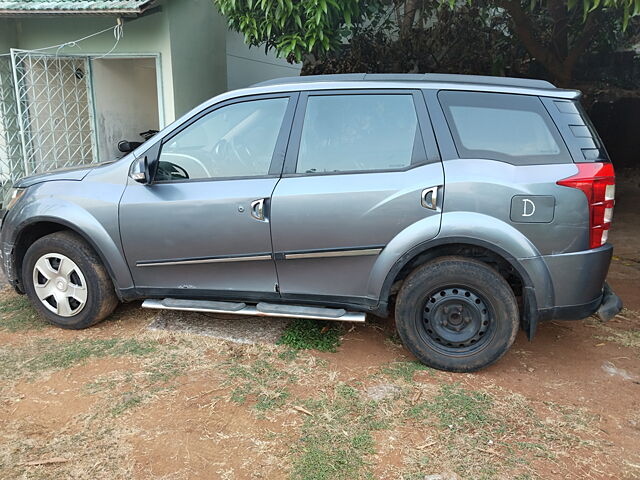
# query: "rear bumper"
{"type": "Point", "coordinates": [573, 287]}
{"type": "Point", "coordinates": [578, 277]}
{"type": "Point", "coordinates": [606, 306]}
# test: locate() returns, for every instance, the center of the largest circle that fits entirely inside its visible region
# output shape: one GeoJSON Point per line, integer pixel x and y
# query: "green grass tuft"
{"type": "Point", "coordinates": [261, 380]}
{"type": "Point", "coordinates": [456, 408]}
{"type": "Point", "coordinates": [129, 400]}
{"type": "Point", "coordinates": [337, 439]}
{"type": "Point", "coordinates": [303, 334]}
{"type": "Point", "coordinates": [56, 355]}
{"type": "Point", "coordinates": [17, 314]}
{"type": "Point", "coordinates": [404, 370]}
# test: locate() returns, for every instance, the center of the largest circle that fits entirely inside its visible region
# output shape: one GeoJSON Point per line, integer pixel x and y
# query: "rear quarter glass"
{"type": "Point", "coordinates": [576, 128]}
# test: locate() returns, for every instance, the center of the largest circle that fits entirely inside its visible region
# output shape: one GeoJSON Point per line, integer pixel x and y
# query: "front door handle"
{"type": "Point", "coordinates": [257, 209]}
{"type": "Point", "coordinates": [429, 198]}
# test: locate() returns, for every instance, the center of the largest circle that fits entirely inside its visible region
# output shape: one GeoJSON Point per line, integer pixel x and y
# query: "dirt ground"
{"type": "Point", "coordinates": [120, 401]}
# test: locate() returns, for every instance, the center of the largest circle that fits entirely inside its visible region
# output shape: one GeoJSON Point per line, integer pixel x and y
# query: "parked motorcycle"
{"type": "Point", "coordinates": [126, 146]}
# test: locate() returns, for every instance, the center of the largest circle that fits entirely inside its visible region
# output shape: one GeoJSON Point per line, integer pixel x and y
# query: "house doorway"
{"type": "Point", "coordinates": [125, 96]}
{"type": "Point", "coordinates": [70, 110]}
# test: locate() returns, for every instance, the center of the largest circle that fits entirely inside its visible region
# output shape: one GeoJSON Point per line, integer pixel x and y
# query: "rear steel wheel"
{"type": "Point", "coordinates": [456, 320]}
{"type": "Point", "coordinates": [456, 314]}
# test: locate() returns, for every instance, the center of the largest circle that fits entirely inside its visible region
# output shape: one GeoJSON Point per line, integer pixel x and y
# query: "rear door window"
{"type": "Point", "coordinates": [511, 128]}
{"type": "Point", "coordinates": [359, 133]}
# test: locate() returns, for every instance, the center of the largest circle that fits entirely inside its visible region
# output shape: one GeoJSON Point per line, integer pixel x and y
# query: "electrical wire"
{"type": "Point", "coordinates": [118, 33]}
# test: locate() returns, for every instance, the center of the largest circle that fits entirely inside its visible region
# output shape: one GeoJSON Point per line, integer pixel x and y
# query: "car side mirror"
{"type": "Point", "coordinates": [140, 171]}
{"type": "Point", "coordinates": [143, 170]}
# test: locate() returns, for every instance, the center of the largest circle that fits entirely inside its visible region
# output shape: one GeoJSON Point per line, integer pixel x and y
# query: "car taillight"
{"type": "Point", "coordinates": [598, 182]}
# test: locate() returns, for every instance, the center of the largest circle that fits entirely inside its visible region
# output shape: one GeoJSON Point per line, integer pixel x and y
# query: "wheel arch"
{"type": "Point", "coordinates": [522, 281]}
{"type": "Point", "coordinates": [41, 226]}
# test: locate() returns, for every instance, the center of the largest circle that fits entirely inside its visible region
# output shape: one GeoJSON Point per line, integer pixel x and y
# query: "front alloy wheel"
{"type": "Point", "coordinates": [66, 281]}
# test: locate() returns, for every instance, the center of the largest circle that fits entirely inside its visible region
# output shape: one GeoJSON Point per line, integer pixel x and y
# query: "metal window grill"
{"type": "Point", "coordinates": [46, 114]}
{"type": "Point", "coordinates": [11, 158]}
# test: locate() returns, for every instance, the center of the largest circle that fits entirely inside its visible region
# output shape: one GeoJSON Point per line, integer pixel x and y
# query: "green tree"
{"type": "Point", "coordinates": [556, 33]}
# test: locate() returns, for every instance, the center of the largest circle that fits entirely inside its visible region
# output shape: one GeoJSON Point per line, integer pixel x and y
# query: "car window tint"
{"type": "Point", "coordinates": [512, 128]}
{"type": "Point", "coordinates": [358, 133]}
{"type": "Point", "coordinates": [237, 140]}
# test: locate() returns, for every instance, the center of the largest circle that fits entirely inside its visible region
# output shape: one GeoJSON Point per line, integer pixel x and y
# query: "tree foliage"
{"type": "Point", "coordinates": [473, 36]}
{"type": "Point", "coordinates": [292, 27]}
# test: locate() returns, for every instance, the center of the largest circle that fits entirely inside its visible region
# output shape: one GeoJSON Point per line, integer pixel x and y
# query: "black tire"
{"type": "Point", "coordinates": [457, 314]}
{"type": "Point", "coordinates": [100, 295]}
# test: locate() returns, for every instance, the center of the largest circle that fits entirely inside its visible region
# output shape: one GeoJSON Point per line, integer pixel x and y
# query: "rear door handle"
{"type": "Point", "coordinates": [257, 209]}
{"type": "Point", "coordinates": [429, 198]}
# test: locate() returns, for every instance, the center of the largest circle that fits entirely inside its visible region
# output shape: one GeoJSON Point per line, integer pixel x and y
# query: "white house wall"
{"type": "Point", "coordinates": [145, 35]}
{"type": "Point", "coordinates": [126, 101]}
{"type": "Point", "coordinates": [199, 56]}
{"type": "Point", "coordinates": [197, 33]}
{"type": "Point", "coordinates": [246, 66]}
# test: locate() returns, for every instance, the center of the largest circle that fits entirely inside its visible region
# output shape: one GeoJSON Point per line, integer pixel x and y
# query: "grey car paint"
{"type": "Point", "coordinates": [198, 220]}
{"type": "Point", "coordinates": [328, 212]}
{"type": "Point", "coordinates": [123, 219]}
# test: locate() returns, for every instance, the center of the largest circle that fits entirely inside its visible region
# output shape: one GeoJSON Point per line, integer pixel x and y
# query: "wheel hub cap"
{"type": "Point", "coordinates": [59, 284]}
{"type": "Point", "coordinates": [455, 317]}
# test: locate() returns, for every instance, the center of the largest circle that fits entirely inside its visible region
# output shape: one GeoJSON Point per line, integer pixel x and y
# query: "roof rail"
{"type": "Point", "coordinates": [411, 77]}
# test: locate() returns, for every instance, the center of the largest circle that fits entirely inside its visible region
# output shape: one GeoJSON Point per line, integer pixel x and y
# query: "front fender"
{"type": "Point", "coordinates": [96, 220]}
{"type": "Point", "coordinates": [462, 228]}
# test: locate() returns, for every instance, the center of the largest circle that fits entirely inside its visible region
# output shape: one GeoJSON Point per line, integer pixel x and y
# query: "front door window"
{"type": "Point", "coordinates": [234, 141]}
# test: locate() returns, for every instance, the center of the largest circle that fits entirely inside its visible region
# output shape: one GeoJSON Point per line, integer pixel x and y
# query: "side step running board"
{"type": "Point", "coordinates": [261, 309]}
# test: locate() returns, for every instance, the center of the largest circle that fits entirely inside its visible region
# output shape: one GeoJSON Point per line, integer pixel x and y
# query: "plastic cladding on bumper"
{"type": "Point", "coordinates": [6, 251]}
{"type": "Point", "coordinates": [611, 304]}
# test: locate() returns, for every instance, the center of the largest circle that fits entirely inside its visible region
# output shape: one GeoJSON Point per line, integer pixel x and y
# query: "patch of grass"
{"type": "Point", "coordinates": [626, 338]}
{"type": "Point", "coordinates": [456, 407]}
{"type": "Point", "coordinates": [482, 435]}
{"type": "Point", "coordinates": [48, 354]}
{"type": "Point", "coordinates": [17, 314]}
{"type": "Point", "coordinates": [127, 401]}
{"type": "Point", "coordinates": [262, 380]}
{"type": "Point", "coordinates": [56, 355]}
{"type": "Point", "coordinates": [404, 370]}
{"type": "Point", "coordinates": [336, 440]}
{"type": "Point", "coordinates": [304, 334]}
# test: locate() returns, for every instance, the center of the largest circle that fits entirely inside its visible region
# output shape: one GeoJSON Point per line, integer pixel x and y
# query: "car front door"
{"type": "Point", "coordinates": [361, 167]}
{"type": "Point", "coordinates": [202, 227]}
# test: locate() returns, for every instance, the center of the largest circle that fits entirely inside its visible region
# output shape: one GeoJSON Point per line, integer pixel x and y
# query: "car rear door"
{"type": "Point", "coordinates": [361, 167]}
{"type": "Point", "coordinates": [202, 228]}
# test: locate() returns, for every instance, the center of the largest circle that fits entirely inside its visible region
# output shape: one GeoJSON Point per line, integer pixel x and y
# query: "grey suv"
{"type": "Point", "coordinates": [467, 206]}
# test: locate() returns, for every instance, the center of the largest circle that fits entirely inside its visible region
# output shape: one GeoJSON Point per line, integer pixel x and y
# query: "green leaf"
{"type": "Point", "coordinates": [625, 17]}
{"type": "Point", "coordinates": [347, 16]}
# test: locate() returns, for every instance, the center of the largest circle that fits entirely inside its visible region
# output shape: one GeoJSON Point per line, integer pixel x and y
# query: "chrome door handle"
{"type": "Point", "coordinates": [429, 198]}
{"type": "Point", "coordinates": [257, 209]}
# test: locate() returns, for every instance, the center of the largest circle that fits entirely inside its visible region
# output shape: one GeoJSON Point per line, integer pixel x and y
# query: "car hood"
{"type": "Point", "coordinates": [73, 173]}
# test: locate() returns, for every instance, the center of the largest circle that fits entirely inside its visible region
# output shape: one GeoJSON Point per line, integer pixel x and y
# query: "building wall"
{"type": "Point", "coordinates": [126, 101]}
{"type": "Point", "coordinates": [246, 66]}
{"type": "Point", "coordinates": [145, 35]}
{"type": "Point", "coordinates": [197, 37]}
{"type": "Point", "coordinates": [199, 56]}
{"type": "Point", "coordinates": [7, 34]}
